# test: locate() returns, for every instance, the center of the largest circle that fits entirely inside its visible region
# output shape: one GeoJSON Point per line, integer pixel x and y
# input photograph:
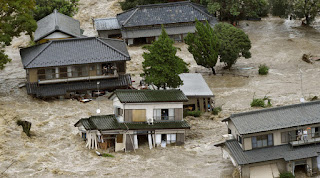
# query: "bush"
{"type": "Point", "coordinates": [260, 102]}
{"type": "Point", "coordinates": [191, 113]}
{"type": "Point", "coordinates": [107, 155]}
{"type": "Point", "coordinates": [216, 110]}
{"type": "Point", "coordinates": [286, 175]}
{"type": "Point", "coordinates": [263, 69]}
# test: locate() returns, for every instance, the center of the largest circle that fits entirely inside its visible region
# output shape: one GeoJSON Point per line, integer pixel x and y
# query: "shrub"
{"type": "Point", "coordinates": [216, 110]}
{"type": "Point", "coordinates": [260, 102]}
{"type": "Point", "coordinates": [191, 113]}
{"type": "Point", "coordinates": [107, 155]}
{"type": "Point", "coordinates": [286, 175]}
{"type": "Point", "coordinates": [263, 69]}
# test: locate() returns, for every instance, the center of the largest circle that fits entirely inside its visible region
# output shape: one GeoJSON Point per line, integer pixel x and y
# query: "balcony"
{"type": "Point", "coordinates": [163, 118]}
{"type": "Point", "coordinates": [304, 139]}
{"type": "Point", "coordinates": [73, 79]}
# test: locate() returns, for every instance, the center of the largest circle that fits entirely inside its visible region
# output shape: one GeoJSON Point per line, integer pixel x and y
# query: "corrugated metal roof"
{"type": "Point", "coordinates": [144, 96]}
{"type": "Point", "coordinates": [277, 117]}
{"type": "Point", "coordinates": [109, 122]}
{"type": "Point", "coordinates": [74, 51]}
{"type": "Point", "coordinates": [165, 13]}
{"type": "Point", "coordinates": [59, 89]}
{"type": "Point", "coordinates": [57, 22]}
{"type": "Point", "coordinates": [194, 85]}
{"type": "Point", "coordinates": [107, 24]}
{"type": "Point", "coordinates": [285, 152]}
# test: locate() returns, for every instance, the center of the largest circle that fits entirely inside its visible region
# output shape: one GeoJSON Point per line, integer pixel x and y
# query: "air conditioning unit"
{"type": "Point", "coordinates": [150, 121]}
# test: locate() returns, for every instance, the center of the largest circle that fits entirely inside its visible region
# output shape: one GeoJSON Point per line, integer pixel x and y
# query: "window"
{"type": "Point", "coordinates": [239, 139]}
{"type": "Point", "coordinates": [163, 114]}
{"type": "Point", "coordinates": [41, 74]}
{"type": "Point", "coordinates": [80, 71]}
{"type": "Point", "coordinates": [50, 73]}
{"type": "Point", "coordinates": [120, 111]}
{"type": "Point", "coordinates": [284, 137]}
{"type": "Point", "coordinates": [139, 115]}
{"type": "Point", "coordinates": [262, 141]}
{"type": "Point", "coordinates": [119, 138]}
{"type": "Point", "coordinates": [229, 131]}
{"type": "Point", "coordinates": [63, 72]}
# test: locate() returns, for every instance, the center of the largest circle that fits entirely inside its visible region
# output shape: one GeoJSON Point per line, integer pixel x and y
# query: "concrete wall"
{"type": "Point", "coordinates": [149, 107]}
{"type": "Point", "coordinates": [107, 33]}
{"type": "Point", "coordinates": [247, 144]}
{"type": "Point", "coordinates": [245, 169]}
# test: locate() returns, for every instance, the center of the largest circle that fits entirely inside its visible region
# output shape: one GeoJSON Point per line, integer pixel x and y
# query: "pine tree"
{"type": "Point", "coordinates": [161, 66]}
{"type": "Point", "coordinates": [203, 45]}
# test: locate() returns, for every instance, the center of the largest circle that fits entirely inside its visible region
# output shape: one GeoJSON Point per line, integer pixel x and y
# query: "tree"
{"type": "Point", "coordinates": [307, 9]}
{"type": "Point", "coordinates": [15, 17]}
{"type": "Point", "coordinates": [46, 7]}
{"type": "Point", "coordinates": [203, 45]}
{"type": "Point", "coordinates": [128, 4]}
{"type": "Point", "coordinates": [161, 66]}
{"type": "Point", "coordinates": [234, 43]}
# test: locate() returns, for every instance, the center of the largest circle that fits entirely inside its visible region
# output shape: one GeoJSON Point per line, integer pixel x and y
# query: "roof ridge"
{"type": "Point", "coordinates": [275, 108]}
{"type": "Point", "coordinates": [164, 4]}
{"type": "Point", "coordinates": [48, 44]}
{"type": "Point", "coordinates": [112, 47]}
{"type": "Point", "coordinates": [137, 8]}
{"type": "Point", "coordinates": [194, 6]}
{"type": "Point", "coordinates": [106, 18]}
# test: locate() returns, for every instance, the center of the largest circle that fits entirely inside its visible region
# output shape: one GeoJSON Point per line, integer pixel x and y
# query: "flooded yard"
{"type": "Point", "coordinates": [56, 150]}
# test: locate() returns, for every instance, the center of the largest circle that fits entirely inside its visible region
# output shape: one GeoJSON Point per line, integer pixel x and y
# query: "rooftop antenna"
{"type": "Point", "coordinates": [302, 100]}
{"type": "Point", "coordinates": [98, 110]}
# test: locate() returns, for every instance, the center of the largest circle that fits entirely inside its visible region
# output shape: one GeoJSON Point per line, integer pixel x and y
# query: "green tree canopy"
{"type": "Point", "coordinates": [234, 43]}
{"type": "Point", "coordinates": [46, 7]}
{"type": "Point", "coordinates": [128, 4]}
{"type": "Point", "coordinates": [161, 66]}
{"type": "Point", "coordinates": [203, 45]}
{"type": "Point", "coordinates": [15, 17]}
{"type": "Point", "coordinates": [234, 10]}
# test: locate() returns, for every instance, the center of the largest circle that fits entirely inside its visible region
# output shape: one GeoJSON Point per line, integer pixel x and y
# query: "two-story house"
{"type": "Point", "coordinates": [140, 116]}
{"type": "Point", "coordinates": [142, 24]}
{"type": "Point", "coordinates": [270, 141]}
{"type": "Point", "coordinates": [78, 65]}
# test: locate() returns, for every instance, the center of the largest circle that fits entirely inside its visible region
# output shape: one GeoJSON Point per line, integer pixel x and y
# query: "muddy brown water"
{"type": "Point", "coordinates": [56, 150]}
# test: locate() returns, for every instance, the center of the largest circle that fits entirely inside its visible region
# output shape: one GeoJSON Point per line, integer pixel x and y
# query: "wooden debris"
{"type": "Point", "coordinates": [307, 58]}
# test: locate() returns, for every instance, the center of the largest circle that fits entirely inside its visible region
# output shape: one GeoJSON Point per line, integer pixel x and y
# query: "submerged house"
{"type": "Point", "coordinates": [275, 140]}
{"type": "Point", "coordinates": [77, 65]}
{"type": "Point", "coordinates": [140, 116]}
{"type": "Point", "coordinates": [142, 24]}
{"type": "Point", "coordinates": [198, 92]}
{"type": "Point", "coordinates": [57, 26]}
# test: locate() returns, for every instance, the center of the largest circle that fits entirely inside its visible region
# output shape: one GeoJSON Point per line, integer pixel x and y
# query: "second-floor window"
{"type": "Point", "coordinates": [163, 114]}
{"type": "Point", "coordinates": [262, 141]}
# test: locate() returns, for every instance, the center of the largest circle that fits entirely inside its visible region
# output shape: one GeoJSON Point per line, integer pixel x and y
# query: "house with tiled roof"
{"type": "Point", "coordinates": [141, 117]}
{"type": "Point", "coordinates": [57, 26]}
{"type": "Point", "coordinates": [280, 139]}
{"type": "Point", "coordinates": [143, 23]}
{"type": "Point", "coordinates": [75, 66]}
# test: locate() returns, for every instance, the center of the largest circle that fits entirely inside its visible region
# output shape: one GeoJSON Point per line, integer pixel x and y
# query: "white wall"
{"type": "Point", "coordinates": [56, 35]}
{"type": "Point", "coordinates": [149, 107]}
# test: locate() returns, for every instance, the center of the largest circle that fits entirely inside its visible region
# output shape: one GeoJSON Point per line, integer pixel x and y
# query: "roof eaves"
{"type": "Point", "coordinates": [194, 6]}
{"type": "Point", "coordinates": [113, 48]}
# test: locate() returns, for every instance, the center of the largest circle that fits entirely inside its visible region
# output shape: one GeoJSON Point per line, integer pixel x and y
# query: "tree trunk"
{"type": "Point", "coordinates": [213, 71]}
{"type": "Point", "coordinates": [307, 19]}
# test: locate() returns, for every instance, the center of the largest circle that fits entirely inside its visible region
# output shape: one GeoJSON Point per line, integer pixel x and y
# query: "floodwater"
{"type": "Point", "coordinates": [56, 150]}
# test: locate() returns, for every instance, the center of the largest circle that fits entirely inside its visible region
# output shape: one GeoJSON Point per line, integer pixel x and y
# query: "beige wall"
{"type": "Point", "coordinates": [33, 76]}
{"type": "Point", "coordinates": [245, 169]}
{"type": "Point", "coordinates": [247, 144]}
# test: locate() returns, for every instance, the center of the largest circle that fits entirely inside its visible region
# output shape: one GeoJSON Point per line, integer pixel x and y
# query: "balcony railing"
{"type": "Point", "coordinates": [71, 79]}
{"type": "Point", "coordinates": [304, 139]}
{"type": "Point", "coordinates": [163, 118]}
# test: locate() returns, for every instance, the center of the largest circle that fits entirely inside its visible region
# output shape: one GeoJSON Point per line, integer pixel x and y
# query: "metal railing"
{"type": "Point", "coordinates": [302, 139]}
{"type": "Point", "coordinates": [163, 118]}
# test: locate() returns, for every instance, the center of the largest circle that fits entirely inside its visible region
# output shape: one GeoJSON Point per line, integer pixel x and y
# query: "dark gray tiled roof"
{"type": "Point", "coordinates": [166, 13]}
{"type": "Point", "coordinates": [57, 22]}
{"type": "Point", "coordinates": [144, 96]}
{"type": "Point", "coordinates": [74, 51]}
{"type": "Point", "coordinates": [277, 117]}
{"type": "Point", "coordinates": [285, 152]}
{"type": "Point", "coordinates": [59, 89]}
{"type": "Point", "coordinates": [106, 24]}
{"type": "Point", "coordinates": [109, 122]}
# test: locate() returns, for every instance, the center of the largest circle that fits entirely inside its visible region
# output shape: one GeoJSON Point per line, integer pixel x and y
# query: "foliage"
{"type": "Point", "coordinates": [234, 43]}
{"type": "Point", "coordinates": [263, 69]}
{"type": "Point", "coordinates": [26, 126]}
{"type": "Point", "coordinates": [307, 9]}
{"type": "Point", "coordinates": [107, 155]}
{"type": "Point", "coordinates": [192, 113]}
{"type": "Point", "coordinates": [46, 7]}
{"type": "Point", "coordinates": [15, 17]}
{"type": "Point", "coordinates": [234, 10]}
{"type": "Point", "coordinates": [260, 102]}
{"type": "Point", "coordinates": [161, 66]}
{"type": "Point", "coordinates": [286, 175]}
{"type": "Point", "coordinates": [216, 110]}
{"type": "Point", "coordinates": [128, 4]}
{"type": "Point", "coordinates": [203, 45]}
